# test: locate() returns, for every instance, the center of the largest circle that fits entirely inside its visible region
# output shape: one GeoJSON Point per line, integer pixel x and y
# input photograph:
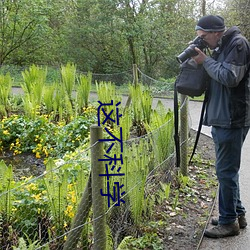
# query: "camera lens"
{"type": "Point", "coordinates": [187, 53]}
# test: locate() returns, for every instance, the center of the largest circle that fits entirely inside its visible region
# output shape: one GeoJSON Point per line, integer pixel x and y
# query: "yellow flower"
{"type": "Point", "coordinates": [31, 187]}
{"type": "Point", "coordinates": [69, 211]}
{"type": "Point", "coordinates": [73, 199]}
{"type": "Point", "coordinates": [37, 196]}
{"type": "Point", "coordinates": [38, 155]}
{"type": "Point", "coordinates": [6, 132]}
{"type": "Point", "coordinates": [14, 209]}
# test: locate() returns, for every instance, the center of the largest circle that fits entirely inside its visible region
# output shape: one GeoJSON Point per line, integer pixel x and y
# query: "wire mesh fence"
{"type": "Point", "coordinates": [72, 206]}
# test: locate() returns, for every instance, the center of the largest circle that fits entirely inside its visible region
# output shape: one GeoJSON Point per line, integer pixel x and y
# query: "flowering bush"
{"type": "Point", "coordinates": [43, 137]}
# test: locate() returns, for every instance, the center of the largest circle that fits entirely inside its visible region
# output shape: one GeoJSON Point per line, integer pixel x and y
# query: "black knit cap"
{"type": "Point", "coordinates": [210, 23]}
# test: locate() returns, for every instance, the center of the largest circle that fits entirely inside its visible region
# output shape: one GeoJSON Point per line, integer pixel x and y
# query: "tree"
{"type": "Point", "coordinates": [20, 22]}
{"type": "Point", "coordinates": [237, 13]}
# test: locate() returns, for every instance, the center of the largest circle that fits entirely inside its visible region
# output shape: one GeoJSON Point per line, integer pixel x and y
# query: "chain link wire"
{"type": "Point", "coordinates": [57, 204]}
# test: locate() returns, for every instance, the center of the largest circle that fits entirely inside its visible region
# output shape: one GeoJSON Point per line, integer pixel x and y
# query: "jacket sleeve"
{"type": "Point", "coordinates": [234, 66]}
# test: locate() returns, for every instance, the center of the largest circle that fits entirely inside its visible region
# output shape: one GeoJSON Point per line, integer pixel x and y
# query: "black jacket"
{"type": "Point", "coordinates": [229, 90]}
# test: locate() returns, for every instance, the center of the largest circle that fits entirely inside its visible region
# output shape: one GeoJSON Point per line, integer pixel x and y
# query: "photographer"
{"type": "Point", "coordinates": [228, 112]}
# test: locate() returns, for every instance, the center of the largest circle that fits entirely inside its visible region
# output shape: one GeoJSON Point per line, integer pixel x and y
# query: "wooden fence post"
{"type": "Point", "coordinates": [80, 218]}
{"type": "Point", "coordinates": [135, 82]}
{"type": "Point", "coordinates": [135, 74]}
{"type": "Point", "coordinates": [184, 135]}
{"type": "Point", "coordinates": [97, 168]}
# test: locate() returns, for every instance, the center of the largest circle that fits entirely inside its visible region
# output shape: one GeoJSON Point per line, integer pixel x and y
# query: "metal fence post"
{"type": "Point", "coordinates": [97, 168]}
{"type": "Point", "coordinates": [184, 135]}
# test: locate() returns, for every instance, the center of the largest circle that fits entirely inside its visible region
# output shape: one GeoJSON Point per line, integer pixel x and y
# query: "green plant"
{"type": "Point", "coordinates": [176, 199]}
{"type": "Point", "coordinates": [30, 208]}
{"type": "Point", "coordinates": [48, 98]}
{"type": "Point", "coordinates": [161, 128]}
{"type": "Point", "coordinates": [34, 81]}
{"type": "Point", "coordinates": [83, 91]}
{"type": "Point", "coordinates": [6, 184]}
{"type": "Point", "coordinates": [5, 90]}
{"type": "Point", "coordinates": [28, 245]}
{"type": "Point", "coordinates": [106, 92]}
{"type": "Point", "coordinates": [184, 181]}
{"type": "Point", "coordinates": [42, 136]}
{"type": "Point", "coordinates": [164, 191]}
{"type": "Point", "coordinates": [136, 169]}
{"type": "Point", "coordinates": [147, 241]}
{"type": "Point", "coordinates": [141, 109]}
{"type": "Point", "coordinates": [68, 74]}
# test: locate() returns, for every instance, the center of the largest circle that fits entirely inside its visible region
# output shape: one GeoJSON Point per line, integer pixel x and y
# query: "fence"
{"type": "Point", "coordinates": [63, 208]}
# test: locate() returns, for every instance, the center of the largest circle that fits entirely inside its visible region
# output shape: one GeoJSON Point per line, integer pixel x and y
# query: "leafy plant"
{"type": "Point", "coordinates": [30, 208]}
{"type": "Point", "coordinates": [5, 90]}
{"type": "Point", "coordinates": [83, 91]}
{"type": "Point", "coordinates": [68, 74]}
{"type": "Point", "coordinates": [34, 81]}
{"type": "Point", "coordinates": [107, 95]}
{"type": "Point", "coordinates": [141, 109]}
{"type": "Point", "coordinates": [48, 98]}
{"type": "Point", "coordinates": [161, 126]}
{"type": "Point", "coordinates": [136, 169]}
{"type": "Point", "coordinates": [164, 191]}
{"type": "Point", "coordinates": [6, 184]}
{"type": "Point", "coordinates": [147, 241]}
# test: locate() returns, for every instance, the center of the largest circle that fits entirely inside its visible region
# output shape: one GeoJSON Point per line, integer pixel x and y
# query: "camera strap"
{"type": "Point", "coordinates": [199, 127]}
{"type": "Point", "coordinates": [176, 126]}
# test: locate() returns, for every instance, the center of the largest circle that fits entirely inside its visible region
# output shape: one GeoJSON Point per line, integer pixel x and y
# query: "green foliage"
{"type": "Point", "coordinates": [141, 109]}
{"type": "Point", "coordinates": [5, 91]}
{"type": "Point", "coordinates": [68, 74]}
{"type": "Point", "coordinates": [103, 36]}
{"type": "Point", "coordinates": [136, 165]}
{"type": "Point", "coordinates": [6, 184]}
{"type": "Point", "coordinates": [164, 191]}
{"type": "Point", "coordinates": [48, 98]}
{"type": "Point", "coordinates": [147, 241]}
{"type": "Point", "coordinates": [83, 91]}
{"type": "Point", "coordinates": [43, 137]}
{"type": "Point", "coordinates": [161, 126]}
{"type": "Point", "coordinates": [30, 206]}
{"type": "Point", "coordinates": [33, 85]}
{"type": "Point", "coordinates": [29, 245]}
{"type": "Point", "coordinates": [106, 92]}
{"type": "Point", "coordinates": [52, 197]}
{"type": "Point", "coordinates": [57, 188]}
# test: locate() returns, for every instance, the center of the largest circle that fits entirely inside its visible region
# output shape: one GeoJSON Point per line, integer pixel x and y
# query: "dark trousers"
{"type": "Point", "coordinates": [228, 145]}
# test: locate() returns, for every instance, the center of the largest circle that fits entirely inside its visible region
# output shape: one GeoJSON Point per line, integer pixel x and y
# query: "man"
{"type": "Point", "coordinates": [228, 112]}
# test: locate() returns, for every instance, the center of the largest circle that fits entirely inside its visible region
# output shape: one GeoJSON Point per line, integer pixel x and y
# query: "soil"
{"type": "Point", "coordinates": [188, 221]}
{"type": "Point", "coordinates": [25, 164]}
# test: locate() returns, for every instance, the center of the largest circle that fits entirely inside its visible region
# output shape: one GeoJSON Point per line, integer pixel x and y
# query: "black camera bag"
{"type": "Point", "coordinates": [192, 79]}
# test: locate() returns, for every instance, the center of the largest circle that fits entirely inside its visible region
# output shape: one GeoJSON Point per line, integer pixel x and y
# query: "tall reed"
{"type": "Point", "coordinates": [56, 184]}
{"type": "Point", "coordinates": [68, 74]}
{"type": "Point", "coordinates": [83, 91]}
{"type": "Point", "coordinates": [5, 90]}
{"type": "Point", "coordinates": [161, 128]}
{"type": "Point", "coordinates": [33, 86]}
{"type": "Point", "coordinates": [141, 104]}
{"type": "Point", "coordinates": [106, 92]}
{"type": "Point", "coordinates": [6, 184]}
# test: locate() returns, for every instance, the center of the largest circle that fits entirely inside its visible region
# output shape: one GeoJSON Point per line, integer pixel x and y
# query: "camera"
{"type": "Point", "coordinates": [190, 51]}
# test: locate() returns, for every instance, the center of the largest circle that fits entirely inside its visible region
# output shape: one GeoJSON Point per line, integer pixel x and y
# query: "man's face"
{"type": "Point", "coordinates": [211, 38]}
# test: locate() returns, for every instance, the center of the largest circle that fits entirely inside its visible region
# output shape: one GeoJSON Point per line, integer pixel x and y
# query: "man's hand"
{"type": "Point", "coordinates": [200, 58]}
